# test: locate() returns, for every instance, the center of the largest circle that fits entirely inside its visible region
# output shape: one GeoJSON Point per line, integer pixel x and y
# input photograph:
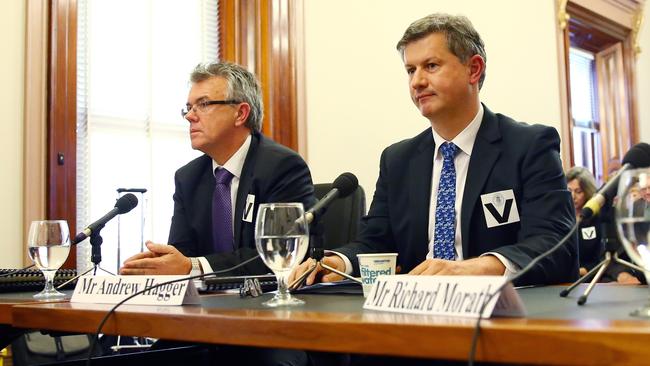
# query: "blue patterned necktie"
{"type": "Point", "coordinates": [445, 231]}
{"type": "Point", "coordinates": [222, 212]}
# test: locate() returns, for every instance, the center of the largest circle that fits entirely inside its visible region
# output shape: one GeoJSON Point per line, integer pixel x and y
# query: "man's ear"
{"type": "Point", "coordinates": [476, 68]}
{"type": "Point", "coordinates": [243, 111]}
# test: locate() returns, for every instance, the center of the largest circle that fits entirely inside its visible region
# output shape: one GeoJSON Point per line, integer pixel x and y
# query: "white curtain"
{"type": "Point", "coordinates": [133, 64]}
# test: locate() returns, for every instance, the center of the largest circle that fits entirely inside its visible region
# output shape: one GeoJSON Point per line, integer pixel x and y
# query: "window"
{"type": "Point", "coordinates": [260, 35]}
{"type": "Point", "coordinates": [132, 81]}
{"type": "Point", "coordinates": [600, 63]}
{"type": "Point", "coordinates": [584, 110]}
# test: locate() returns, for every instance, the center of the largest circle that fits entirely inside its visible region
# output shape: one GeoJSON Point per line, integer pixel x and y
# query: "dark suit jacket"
{"type": "Point", "coordinates": [506, 155]}
{"type": "Point", "coordinates": [271, 172]}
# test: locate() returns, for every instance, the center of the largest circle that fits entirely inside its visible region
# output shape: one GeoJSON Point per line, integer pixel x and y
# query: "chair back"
{"type": "Point", "coordinates": [341, 220]}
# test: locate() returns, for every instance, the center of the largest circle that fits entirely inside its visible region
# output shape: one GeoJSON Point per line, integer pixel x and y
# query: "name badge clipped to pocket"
{"type": "Point", "coordinates": [500, 208]}
{"type": "Point", "coordinates": [588, 233]}
{"type": "Point", "coordinates": [248, 208]}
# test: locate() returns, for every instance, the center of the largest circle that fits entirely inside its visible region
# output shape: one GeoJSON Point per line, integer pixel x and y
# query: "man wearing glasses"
{"type": "Point", "coordinates": [217, 194]}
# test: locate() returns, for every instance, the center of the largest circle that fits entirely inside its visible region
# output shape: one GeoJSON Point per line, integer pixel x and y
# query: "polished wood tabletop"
{"type": "Point", "coordinates": [556, 330]}
{"type": "Point", "coordinates": [8, 300]}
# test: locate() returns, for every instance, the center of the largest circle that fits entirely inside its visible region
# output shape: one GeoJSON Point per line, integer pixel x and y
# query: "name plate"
{"type": "Point", "coordinates": [444, 295]}
{"type": "Point", "coordinates": [113, 289]}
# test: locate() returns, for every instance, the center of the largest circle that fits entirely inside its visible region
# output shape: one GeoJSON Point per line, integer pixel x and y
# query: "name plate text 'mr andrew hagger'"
{"type": "Point", "coordinates": [444, 295]}
{"type": "Point", "coordinates": [113, 289]}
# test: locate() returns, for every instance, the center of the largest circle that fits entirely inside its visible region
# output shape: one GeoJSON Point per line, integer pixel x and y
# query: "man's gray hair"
{"type": "Point", "coordinates": [242, 87]}
{"type": "Point", "coordinates": [462, 39]}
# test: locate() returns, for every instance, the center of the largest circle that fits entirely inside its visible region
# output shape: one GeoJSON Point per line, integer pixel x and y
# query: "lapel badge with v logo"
{"type": "Point", "coordinates": [499, 208]}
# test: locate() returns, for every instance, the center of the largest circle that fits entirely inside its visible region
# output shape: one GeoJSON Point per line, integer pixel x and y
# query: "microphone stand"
{"type": "Point", "coordinates": [318, 254]}
{"type": "Point", "coordinates": [611, 256]}
{"type": "Point", "coordinates": [95, 257]}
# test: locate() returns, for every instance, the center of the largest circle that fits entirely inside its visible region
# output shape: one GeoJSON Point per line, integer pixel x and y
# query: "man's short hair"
{"type": "Point", "coordinates": [242, 87]}
{"type": "Point", "coordinates": [462, 39]}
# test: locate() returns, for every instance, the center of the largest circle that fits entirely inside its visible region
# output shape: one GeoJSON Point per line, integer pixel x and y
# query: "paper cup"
{"type": "Point", "coordinates": [372, 266]}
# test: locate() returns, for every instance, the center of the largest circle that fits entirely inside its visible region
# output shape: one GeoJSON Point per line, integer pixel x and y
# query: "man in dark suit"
{"type": "Point", "coordinates": [240, 166]}
{"type": "Point", "coordinates": [477, 193]}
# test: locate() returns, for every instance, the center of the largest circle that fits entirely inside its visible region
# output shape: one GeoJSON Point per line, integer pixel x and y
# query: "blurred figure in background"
{"type": "Point", "coordinates": [582, 185]}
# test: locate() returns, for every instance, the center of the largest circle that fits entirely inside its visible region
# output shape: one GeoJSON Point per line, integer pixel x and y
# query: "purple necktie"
{"type": "Point", "coordinates": [222, 238]}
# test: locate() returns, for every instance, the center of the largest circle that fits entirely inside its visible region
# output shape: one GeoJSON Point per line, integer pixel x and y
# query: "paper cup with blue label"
{"type": "Point", "coordinates": [374, 265]}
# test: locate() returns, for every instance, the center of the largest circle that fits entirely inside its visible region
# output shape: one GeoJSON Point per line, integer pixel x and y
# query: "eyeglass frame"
{"type": "Point", "coordinates": [204, 104]}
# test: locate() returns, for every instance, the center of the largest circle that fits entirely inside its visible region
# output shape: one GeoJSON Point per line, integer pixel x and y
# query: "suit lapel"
{"type": "Point", "coordinates": [484, 154]}
{"type": "Point", "coordinates": [245, 183]}
{"type": "Point", "coordinates": [420, 170]}
{"type": "Point", "coordinates": [204, 189]}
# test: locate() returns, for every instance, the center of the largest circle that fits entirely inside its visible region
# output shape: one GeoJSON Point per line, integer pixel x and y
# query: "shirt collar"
{"type": "Point", "coordinates": [236, 162]}
{"type": "Point", "coordinates": [465, 139]}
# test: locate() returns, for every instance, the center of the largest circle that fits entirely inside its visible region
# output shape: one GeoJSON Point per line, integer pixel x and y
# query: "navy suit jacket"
{"type": "Point", "coordinates": [271, 172]}
{"type": "Point", "coordinates": [507, 155]}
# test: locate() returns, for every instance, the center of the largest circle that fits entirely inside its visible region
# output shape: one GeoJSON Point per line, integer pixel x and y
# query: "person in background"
{"type": "Point", "coordinates": [582, 185]}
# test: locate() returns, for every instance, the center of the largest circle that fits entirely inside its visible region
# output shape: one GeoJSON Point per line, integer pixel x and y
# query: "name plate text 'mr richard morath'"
{"type": "Point", "coordinates": [444, 295]}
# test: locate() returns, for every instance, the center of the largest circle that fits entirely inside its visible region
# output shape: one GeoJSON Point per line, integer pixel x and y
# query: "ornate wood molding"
{"type": "Point", "coordinates": [62, 111]}
{"type": "Point", "coordinates": [260, 35]}
{"type": "Point", "coordinates": [35, 122]}
{"type": "Point", "coordinates": [637, 22]}
{"type": "Point", "coordinates": [562, 16]}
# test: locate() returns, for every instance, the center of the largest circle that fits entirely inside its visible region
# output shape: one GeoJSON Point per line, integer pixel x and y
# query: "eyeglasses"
{"type": "Point", "coordinates": [203, 106]}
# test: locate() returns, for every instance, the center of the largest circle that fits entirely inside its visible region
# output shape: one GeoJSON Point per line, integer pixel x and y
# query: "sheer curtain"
{"type": "Point", "coordinates": [133, 64]}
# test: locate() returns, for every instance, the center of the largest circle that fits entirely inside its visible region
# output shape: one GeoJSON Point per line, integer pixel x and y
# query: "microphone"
{"type": "Point", "coordinates": [342, 186]}
{"type": "Point", "coordinates": [124, 204]}
{"type": "Point", "coordinates": [637, 157]}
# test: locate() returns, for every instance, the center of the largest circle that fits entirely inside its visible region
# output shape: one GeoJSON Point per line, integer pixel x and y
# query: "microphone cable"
{"type": "Point", "coordinates": [16, 271]}
{"type": "Point", "coordinates": [533, 263]}
{"type": "Point", "coordinates": [93, 344]}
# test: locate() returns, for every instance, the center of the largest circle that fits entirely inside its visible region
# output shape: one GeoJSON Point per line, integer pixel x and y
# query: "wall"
{"type": "Point", "coordinates": [12, 41]}
{"type": "Point", "coordinates": [643, 80]}
{"type": "Point", "coordinates": [357, 93]}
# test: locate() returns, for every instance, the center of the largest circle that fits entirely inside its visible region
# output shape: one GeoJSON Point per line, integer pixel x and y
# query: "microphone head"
{"type": "Point", "coordinates": [638, 156]}
{"type": "Point", "coordinates": [126, 203]}
{"type": "Point", "coordinates": [345, 183]}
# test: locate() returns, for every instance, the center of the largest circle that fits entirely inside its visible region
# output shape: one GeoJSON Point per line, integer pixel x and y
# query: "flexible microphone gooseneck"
{"type": "Point", "coordinates": [342, 187]}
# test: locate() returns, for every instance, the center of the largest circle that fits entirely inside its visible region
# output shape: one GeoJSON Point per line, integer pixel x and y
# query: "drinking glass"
{"type": "Point", "coordinates": [633, 220]}
{"type": "Point", "coordinates": [282, 239]}
{"type": "Point", "coordinates": [49, 245]}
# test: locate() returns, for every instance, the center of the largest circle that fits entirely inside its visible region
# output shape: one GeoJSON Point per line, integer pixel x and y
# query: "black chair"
{"type": "Point", "coordinates": [341, 220]}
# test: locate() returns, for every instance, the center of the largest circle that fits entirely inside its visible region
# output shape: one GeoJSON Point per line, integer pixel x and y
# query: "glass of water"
{"type": "Point", "coordinates": [633, 220]}
{"type": "Point", "coordinates": [49, 244]}
{"type": "Point", "coordinates": [282, 239]}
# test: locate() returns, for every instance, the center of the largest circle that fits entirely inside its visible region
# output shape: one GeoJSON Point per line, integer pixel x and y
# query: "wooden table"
{"type": "Point", "coordinates": [7, 301]}
{"type": "Point", "coordinates": [556, 331]}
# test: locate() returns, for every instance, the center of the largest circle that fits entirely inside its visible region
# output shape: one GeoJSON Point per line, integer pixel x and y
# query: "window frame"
{"type": "Point", "coordinates": [607, 23]}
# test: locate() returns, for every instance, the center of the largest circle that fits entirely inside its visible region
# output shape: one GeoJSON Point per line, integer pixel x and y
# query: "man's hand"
{"type": "Point", "coordinates": [625, 278]}
{"type": "Point", "coordinates": [160, 260]}
{"type": "Point", "coordinates": [319, 274]}
{"type": "Point", "coordinates": [486, 265]}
